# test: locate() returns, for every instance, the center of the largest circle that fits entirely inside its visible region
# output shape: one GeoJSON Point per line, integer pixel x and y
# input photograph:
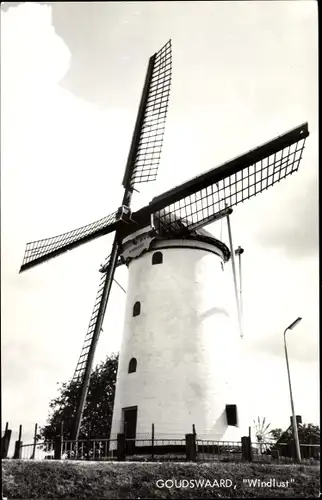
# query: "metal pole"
{"type": "Point", "coordinates": [295, 431]}
{"type": "Point", "coordinates": [120, 285]}
{"type": "Point", "coordinates": [234, 276]}
{"type": "Point", "coordinates": [239, 252]}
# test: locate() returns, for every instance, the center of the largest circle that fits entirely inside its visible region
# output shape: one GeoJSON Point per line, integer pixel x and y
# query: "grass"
{"type": "Point", "coordinates": [104, 480]}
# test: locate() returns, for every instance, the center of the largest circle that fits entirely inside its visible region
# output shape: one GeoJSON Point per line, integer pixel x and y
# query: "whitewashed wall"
{"type": "Point", "coordinates": [185, 344]}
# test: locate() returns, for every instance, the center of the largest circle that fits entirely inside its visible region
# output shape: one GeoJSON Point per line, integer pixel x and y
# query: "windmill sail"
{"type": "Point", "coordinates": [145, 152]}
{"type": "Point", "coordinates": [85, 362]}
{"type": "Point", "coordinates": [81, 365]}
{"type": "Point", "coordinates": [40, 251]}
{"type": "Point", "coordinates": [201, 200]}
{"type": "Point", "coordinates": [103, 267]}
{"type": "Point", "coordinates": [82, 361]}
{"type": "Point", "coordinates": [142, 166]}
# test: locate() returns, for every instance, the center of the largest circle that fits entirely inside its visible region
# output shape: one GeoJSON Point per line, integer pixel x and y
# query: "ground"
{"type": "Point", "coordinates": [102, 480]}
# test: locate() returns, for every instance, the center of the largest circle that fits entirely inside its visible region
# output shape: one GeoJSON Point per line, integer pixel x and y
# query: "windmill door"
{"type": "Point", "coordinates": [130, 418]}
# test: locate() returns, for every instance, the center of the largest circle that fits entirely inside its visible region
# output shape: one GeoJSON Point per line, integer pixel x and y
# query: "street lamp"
{"type": "Point", "coordinates": [295, 432]}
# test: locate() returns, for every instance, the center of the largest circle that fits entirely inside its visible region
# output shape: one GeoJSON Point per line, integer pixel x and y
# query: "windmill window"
{"type": "Point", "coordinates": [132, 365]}
{"type": "Point", "coordinates": [137, 309]}
{"type": "Point", "coordinates": [157, 258]}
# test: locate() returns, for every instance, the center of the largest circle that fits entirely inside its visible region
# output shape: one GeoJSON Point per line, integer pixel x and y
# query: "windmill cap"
{"type": "Point", "coordinates": [172, 226]}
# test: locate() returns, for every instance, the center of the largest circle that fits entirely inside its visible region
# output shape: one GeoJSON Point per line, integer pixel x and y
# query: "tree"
{"type": "Point", "coordinates": [308, 434]}
{"type": "Point", "coordinates": [276, 433]}
{"type": "Point", "coordinates": [98, 411]}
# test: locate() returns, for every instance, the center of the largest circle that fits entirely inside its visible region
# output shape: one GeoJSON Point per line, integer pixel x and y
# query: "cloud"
{"type": "Point", "coordinates": [292, 224]}
{"type": "Point", "coordinates": [272, 343]}
{"type": "Point", "coordinates": [37, 56]}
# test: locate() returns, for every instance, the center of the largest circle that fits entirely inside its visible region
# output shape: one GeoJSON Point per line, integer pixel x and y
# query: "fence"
{"type": "Point", "coordinates": [151, 448]}
{"type": "Point", "coordinates": [37, 451]}
{"type": "Point", "coordinates": [140, 449]}
{"type": "Point", "coordinates": [144, 449]}
{"type": "Point", "coordinates": [224, 451]}
{"type": "Point", "coordinates": [284, 452]}
{"type": "Point", "coordinates": [86, 449]}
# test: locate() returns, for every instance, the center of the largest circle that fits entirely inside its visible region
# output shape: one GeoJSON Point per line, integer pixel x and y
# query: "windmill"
{"type": "Point", "coordinates": [262, 433]}
{"type": "Point", "coordinates": [169, 373]}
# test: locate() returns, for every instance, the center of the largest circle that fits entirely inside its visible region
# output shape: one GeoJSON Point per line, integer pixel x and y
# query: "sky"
{"type": "Point", "coordinates": [71, 79]}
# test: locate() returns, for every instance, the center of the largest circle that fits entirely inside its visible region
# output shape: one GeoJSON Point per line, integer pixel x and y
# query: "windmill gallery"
{"type": "Point", "coordinates": [178, 333]}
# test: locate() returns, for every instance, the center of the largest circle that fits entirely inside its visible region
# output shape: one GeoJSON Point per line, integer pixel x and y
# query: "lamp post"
{"type": "Point", "coordinates": [295, 431]}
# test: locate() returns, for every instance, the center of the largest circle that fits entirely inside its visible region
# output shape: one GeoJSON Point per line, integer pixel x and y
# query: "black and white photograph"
{"type": "Point", "coordinates": [159, 250]}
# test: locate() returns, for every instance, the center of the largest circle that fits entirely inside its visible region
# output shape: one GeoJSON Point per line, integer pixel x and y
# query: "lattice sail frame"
{"type": "Point", "coordinates": [82, 361]}
{"type": "Point", "coordinates": [149, 147]}
{"type": "Point", "coordinates": [104, 266]}
{"type": "Point", "coordinates": [203, 206]}
{"type": "Point", "coordinates": [147, 153]}
{"type": "Point", "coordinates": [41, 250]}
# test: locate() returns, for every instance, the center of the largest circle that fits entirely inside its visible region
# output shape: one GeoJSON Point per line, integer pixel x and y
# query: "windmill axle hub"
{"type": "Point", "coordinates": [124, 214]}
{"type": "Point", "coordinates": [136, 243]}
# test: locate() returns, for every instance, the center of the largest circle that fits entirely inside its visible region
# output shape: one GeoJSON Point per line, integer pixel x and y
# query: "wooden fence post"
{"type": "Point", "coordinates": [57, 448]}
{"type": "Point", "coordinates": [58, 442]}
{"type": "Point", "coordinates": [152, 441]}
{"type": "Point", "coordinates": [291, 449]}
{"type": "Point", "coordinates": [18, 450]}
{"type": "Point", "coordinates": [18, 445]}
{"type": "Point", "coordinates": [195, 435]}
{"type": "Point", "coordinates": [191, 454]}
{"type": "Point", "coordinates": [250, 447]}
{"type": "Point", "coordinates": [35, 441]}
{"type": "Point", "coordinates": [120, 453]}
{"type": "Point", "coordinates": [246, 448]}
{"type": "Point", "coordinates": [5, 442]}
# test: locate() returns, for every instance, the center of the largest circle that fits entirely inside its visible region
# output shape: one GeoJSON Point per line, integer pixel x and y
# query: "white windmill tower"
{"type": "Point", "coordinates": [179, 361]}
{"type": "Point", "coordinates": [178, 365]}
